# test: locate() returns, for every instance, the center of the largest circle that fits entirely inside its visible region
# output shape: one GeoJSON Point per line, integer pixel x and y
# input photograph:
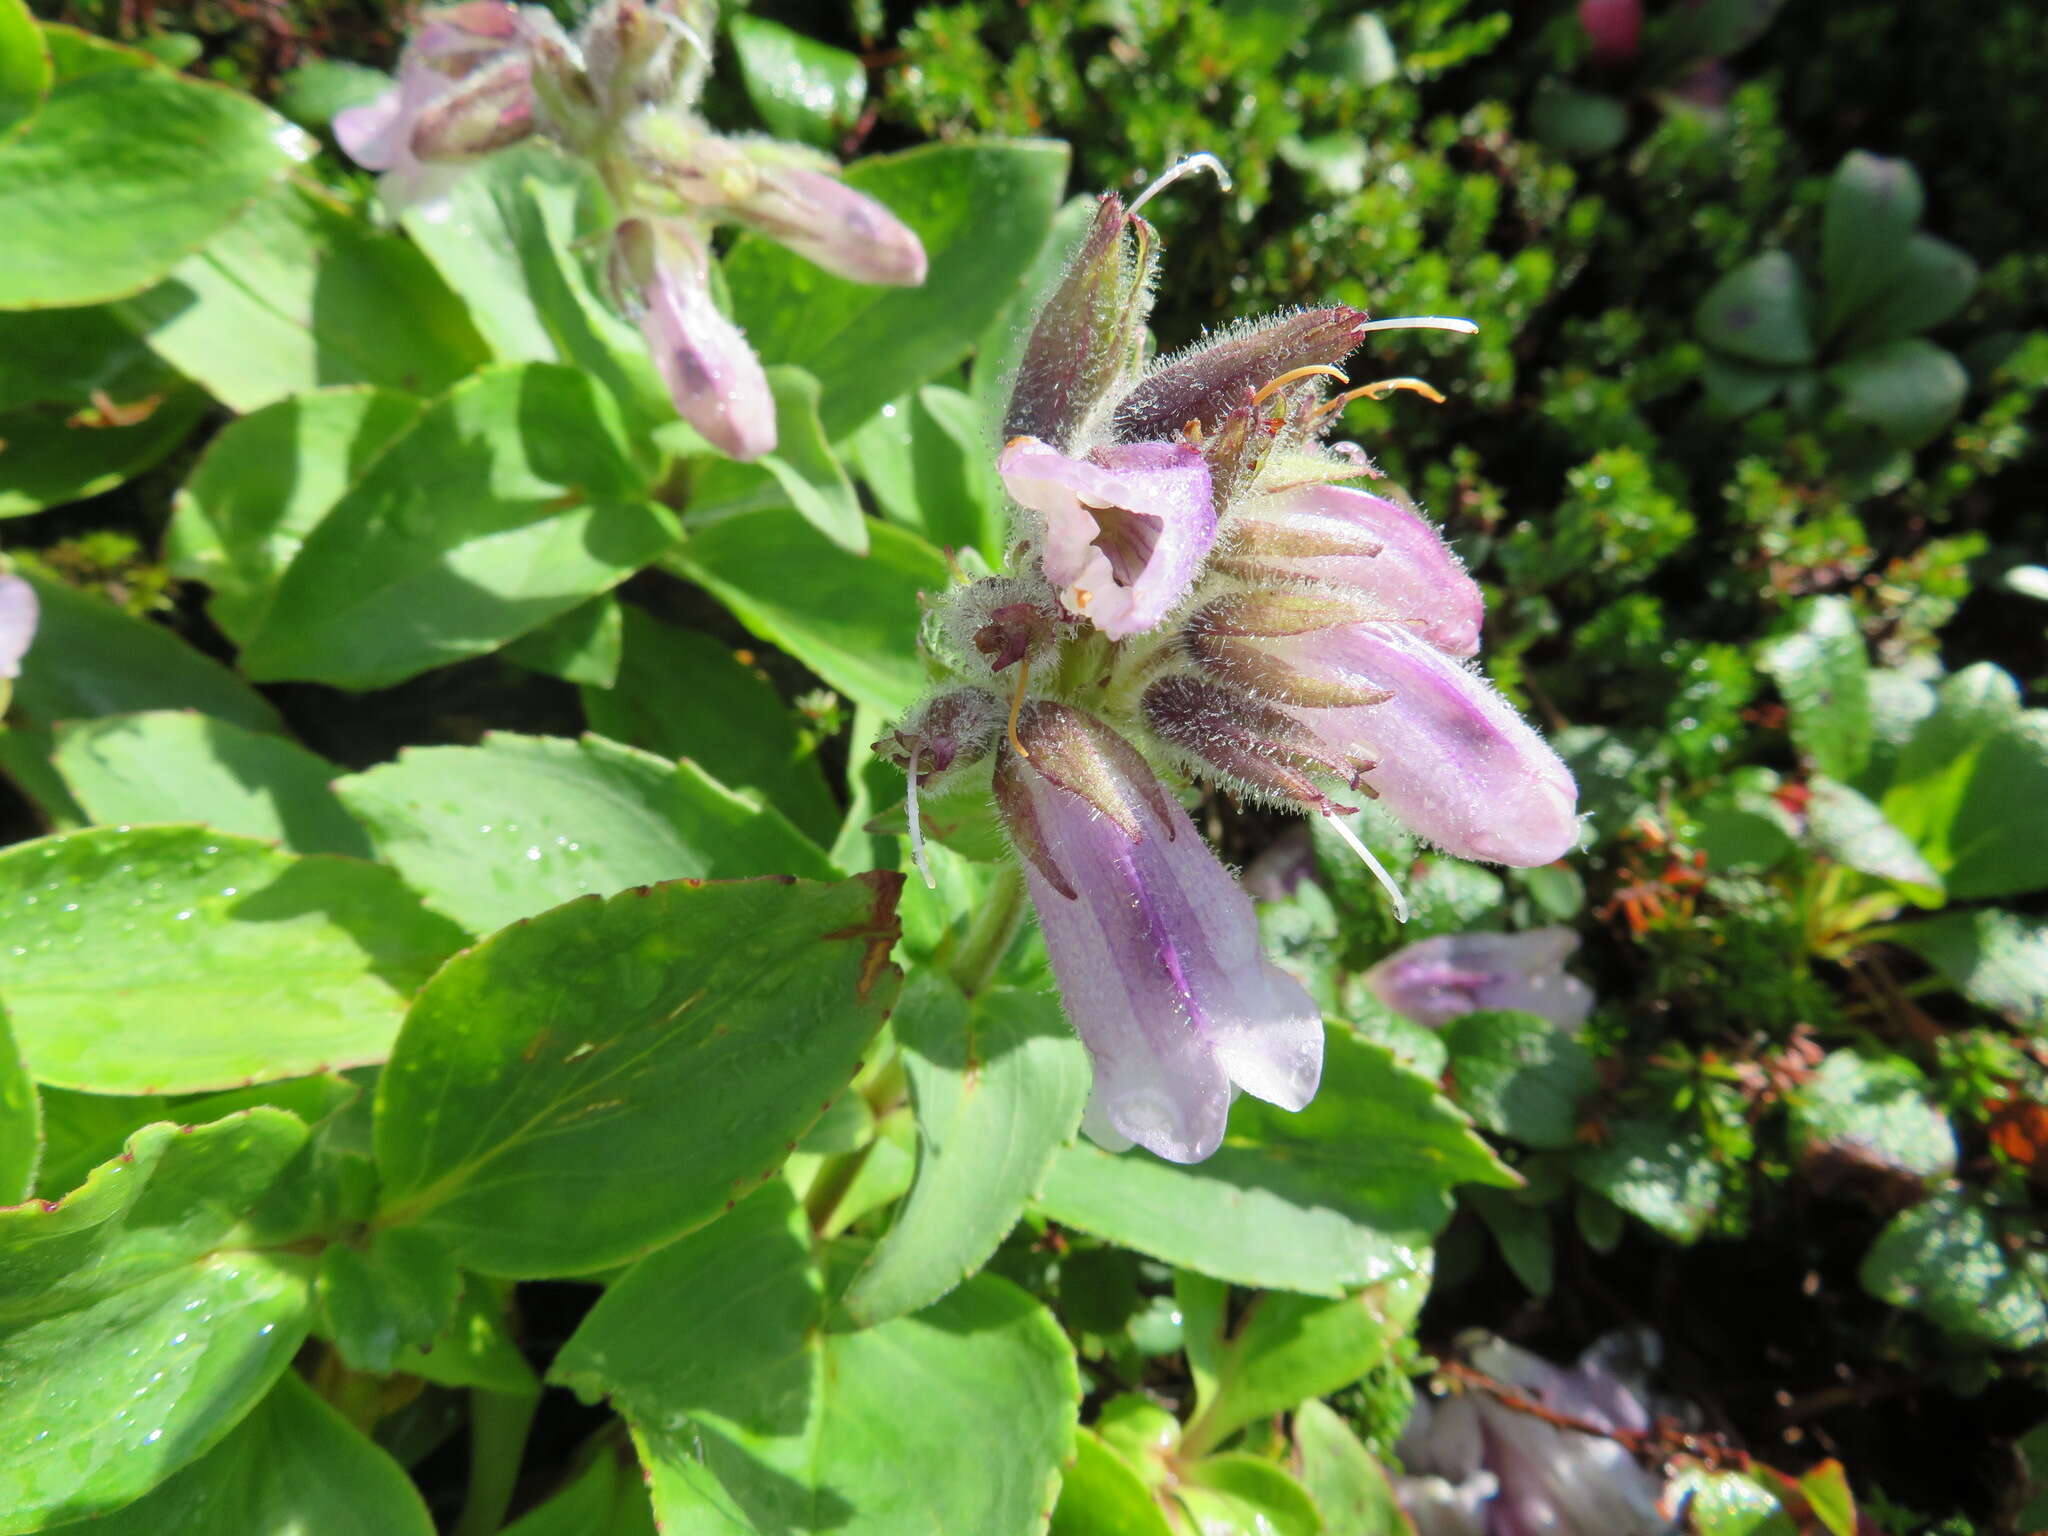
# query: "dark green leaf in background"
{"type": "Point", "coordinates": [53, 456]}
{"type": "Point", "coordinates": [1909, 390]}
{"type": "Point", "coordinates": [592, 1083]}
{"type": "Point", "coordinates": [1932, 281]}
{"type": "Point", "coordinates": [1998, 960]}
{"type": "Point", "coordinates": [1519, 1076]}
{"type": "Point", "coordinates": [584, 646]}
{"type": "Point", "coordinates": [506, 829]}
{"type": "Point", "coordinates": [1760, 313]}
{"type": "Point", "coordinates": [1661, 1173]}
{"type": "Point", "coordinates": [1873, 207]}
{"type": "Point", "coordinates": [931, 469]}
{"type": "Point", "coordinates": [178, 959]}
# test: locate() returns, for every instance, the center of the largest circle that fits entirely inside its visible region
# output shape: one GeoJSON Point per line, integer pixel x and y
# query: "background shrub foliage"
{"type": "Point", "coordinates": [369, 1183]}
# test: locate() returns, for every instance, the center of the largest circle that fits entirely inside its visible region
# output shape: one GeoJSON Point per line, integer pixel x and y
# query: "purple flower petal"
{"type": "Point", "coordinates": [1439, 979]}
{"type": "Point", "coordinates": [1392, 555]}
{"type": "Point", "coordinates": [1156, 951]}
{"type": "Point", "coordinates": [18, 611]}
{"type": "Point", "coordinates": [712, 374]}
{"type": "Point", "coordinates": [1452, 759]}
{"type": "Point", "coordinates": [1125, 531]}
{"type": "Point", "coordinates": [823, 220]}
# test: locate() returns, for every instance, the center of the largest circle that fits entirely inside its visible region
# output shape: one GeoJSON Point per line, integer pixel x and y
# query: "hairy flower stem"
{"type": "Point", "coordinates": [988, 938]}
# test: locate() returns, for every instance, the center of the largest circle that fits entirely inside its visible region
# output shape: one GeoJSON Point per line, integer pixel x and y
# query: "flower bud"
{"type": "Point", "coordinates": [1206, 382]}
{"type": "Point", "coordinates": [1263, 641]}
{"type": "Point", "coordinates": [999, 622]}
{"type": "Point", "coordinates": [1090, 335]}
{"type": "Point", "coordinates": [635, 53]}
{"type": "Point", "coordinates": [1252, 743]}
{"type": "Point", "coordinates": [489, 109]}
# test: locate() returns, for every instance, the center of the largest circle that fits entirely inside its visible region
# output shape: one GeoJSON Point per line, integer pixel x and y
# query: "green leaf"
{"type": "Point", "coordinates": [1345, 1193]}
{"type": "Point", "coordinates": [851, 620]}
{"type": "Point", "coordinates": [90, 658]}
{"type": "Point", "coordinates": [392, 1295]}
{"type": "Point", "coordinates": [83, 1130]}
{"type": "Point", "coordinates": [1967, 1268]}
{"type": "Point", "coordinates": [24, 66]}
{"type": "Point", "coordinates": [681, 693]}
{"type": "Point", "coordinates": [1853, 831]}
{"type": "Point", "coordinates": [474, 1349]}
{"type": "Point", "coordinates": [265, 483]}
{"type": "Point", "coordinates": [802, 88]}
{"type": "Point", "coordinates": [139, 954]}
{"type": "Point", "coordinates": [1828, 1494]}
{"type": "Point", "coordinates": [50, 457]}
{"type": "Point", "coordinates": [1824, 674]}
{"type": "Point", "coordinates": [508, 502]}
{"type": "Point", "coordinates": [299, 293]}
{"type": "Point", "coordinates": [993, 369]}
{"type": "Point", "coordinates": [1102, 1495]}
{"type": "Point", "coordinates": [752, 1419]}
{"type": "Point", "coordinates": [1998, 960]}
{"type": "Point", "coordinates": [800, 473]}
{"type": "Point", "coordinates": [1970, 784]}
{"type": "Point", "coordinates": [1287, 1349]}
{"type": "Point", "coordinates": [1759, 313]}
{"type": "Point", "coordinates": [1520, 1076]}
{"type": "Point", "coordinates": [294, 1464]}
{"type": "Point", "coordinates": [21, 1122]}
{"type": "Point", "coordinates": [1909, 390]}
{"type": "Point", "coordinates": [1520, 1228]}
{"type": "Point", "coordinates": [61, 356]}
{"type": "Point", "coordinates": [584, 646]}
{"type": "Point", "coordinates": [175, 765]}
{"type": "Point", "coordinates": [1872, 1111]}
{"type": "Point", "coordinates": [1245, 1495]}
{"type": "Point", "coordinates": [1874, 205]}
{"type": "Point", "coordinates": [697, 1029]}
{"type": "Point", "coordinates": [1350, 1489]}
{"type": "Point", "coordinates": [982, 211]}
{"type": "Point", "coordinates": [1728, 1504]}
{"type": "Point", "coordinates": [996, 1087]}
{"type": "Point", "coordinates": [1661, 1173]}
{"type": "Point", "coordinates": [493, 833]}
{"type": "Point", "coordinates": [121, 175]}
{"type": "Point", "coordinates": [1575, 122]}
{"type": "Point", "coordinates": [930, 468]}
{"type": "Point", "coordinates": [314, 93]}
{"type": "Point", "coordinates": [607, 1499]}
{"type": "Point", "coordinates": [1932, 282]}
{"type": "Point", "coordinates": [133, 1332]}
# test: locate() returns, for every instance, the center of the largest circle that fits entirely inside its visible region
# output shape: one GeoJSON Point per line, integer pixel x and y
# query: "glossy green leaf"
{"type": "Point", "coordinates": [1520, 1076]}
{"type": "Point", "coordinates": [681, 693]}
{"type": "Point", "coordinates": [1345, 1193]}
{"type": "Point", "coordinates": [1872, 1110]}
{"type": "Point", "coordinates": [1101, 1495]}
{"type": "Point", "coordinates": [179, 959]}
{"type": "Point", "coordinates": [931, 469]}
{"type": "Point", "coordinates": [83, 1130]}
{"type": "Point", "coordinates": [24, 66]}
{"type": "Point", "coordinates": [508, 502]}
{"type": "Point", "coordinates": [801, 473]}
{"type": "Point", "coordinates": [1851, 830]}
{"type": "Point", "coordinates": [90, 658]}
{"type": "Point", "coordinates": [294, 1464]}
{"type": "Point", "coordinates": [584, 646]}
{"type": "Point", "coordinates": [752, 1419]}
{"type": "Point", "coordinates": [122, 174]}
{"type": "Point", "coordinates": [982, 211]}
{"type": "Point", "coordinates": [997, 1086]}
{"type": "Point", "coordinates": [265, 483]}
{"type": "Point", "coordinates": [1909, 390]}
{"type": "Point", "coordinates": [390, 1296]}
{"type": "Point", "coordinates": [1970, 784]}
{"type": "Point", "coordinates": [1874, 205]}
{"type": "Point", "coordinates": [694, 1029]}
{"type": "Point", "coordinates": [1286, 1349]}
{"type": "Point", "coordinates": [52, 456]}
{"type": "Point", "coordinates": [1350, 1489]}
{"type": "Point", "coordinates": [851, 620]}
{"type": "Point", "coordinates": [1759, 313]}
{"type": "Point", "coordinates": [1728, 1504]}
{"type": "Point", "coordinates": [803, 89]}
{"type": "Point", "coordinates": [299, 293]}
{"type": "Point", "coordinates": [1967, 1267]}
{"type": "Point", "coordinates": [133, 1332]}
{"type": "Point", "coordinates": [1998, 960]}
{"type": "Point", "coordinates": [1661, 1173]}
{"type": "Point", "coordinates": [1931, 283]}
{"type": "Point", "coordinates": [176, 765]}
{"type": "Point", "coordinates": [1823, 672]}
{"type": "Point", "coordinates": [21, 1122]}
{"type": "Point", "coordinates": [500, 831]}
{"type": "Point", "coordinates": [1243, 1495]}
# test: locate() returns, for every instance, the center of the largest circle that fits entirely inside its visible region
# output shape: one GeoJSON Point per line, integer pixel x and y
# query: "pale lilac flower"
{"type": "Point", "coordinates": [663, 269]}
{"type": "Point", "coordinates": [18, 613]}
{"type": "Point", "coordinates": [1476, 1466]}
{"type": "Point", "coordinates": [1123, 532]}
{"type": "Point", "coordinates": [465, 87]}
{"type": "Point", "coordinates": [1438, 979]}
{"type": "Point", "coordinates": [1155, 947]}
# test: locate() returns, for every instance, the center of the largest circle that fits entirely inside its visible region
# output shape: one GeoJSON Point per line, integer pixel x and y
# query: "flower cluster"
{"type": "Point", "coordinates": [619, 94]}
{"type": "Point", "coordinates": [1194, 588]}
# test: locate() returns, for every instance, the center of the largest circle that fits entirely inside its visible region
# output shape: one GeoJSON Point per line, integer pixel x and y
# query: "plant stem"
{"type": "Point", "coordinates": [989, 936]}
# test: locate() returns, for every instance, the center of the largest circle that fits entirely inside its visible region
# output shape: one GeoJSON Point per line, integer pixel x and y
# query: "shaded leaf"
{"type": "Point", "coordinates": [1520, 1076]}
{"type": "Point", "coordinates": [1759, 313]}
{"type": "Point", "coordinates": [1946, 1257]}
{"type": "Point", "coordinates": [1660, 1173]}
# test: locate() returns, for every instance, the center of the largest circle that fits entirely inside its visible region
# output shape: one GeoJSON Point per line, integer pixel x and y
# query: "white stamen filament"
{"type": "Point", "coordinates": [1379, 870]}
{"type": "Point", "coordinates": [917, 826]}
{"type": "Point", "coordinates": [1423, 323]}
{"type": "Point", "coordinates": [1186, 166]}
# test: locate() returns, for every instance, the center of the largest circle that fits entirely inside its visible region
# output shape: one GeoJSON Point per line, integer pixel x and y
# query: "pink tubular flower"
{"type": "Point", "coordinates": [1155, 947]}
{"type": "Point", "coordinates": [1124, 531]}
{"type": "Point", "coordinates": [1439, 979]}
{"type": "Point", "coordinates": [18, 613]}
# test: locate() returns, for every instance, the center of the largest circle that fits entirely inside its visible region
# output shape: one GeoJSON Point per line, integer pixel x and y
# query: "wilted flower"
{"type": "Point", "coordinates": [1440, 979]}
{"type": "Point", "coordinates": [18, 612]}
{"type": "Point", "coordinates": [620, 95]}
{"type": "Point", "coordinates": [1191, 587]}
{"type": "Point", "coordinates": [1482, 1464]}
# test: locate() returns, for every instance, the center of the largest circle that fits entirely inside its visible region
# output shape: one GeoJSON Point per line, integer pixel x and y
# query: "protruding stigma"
{"type": "Point", "coordinates": [1379, 870]}
{"type": "Point", "coordinates": [1422, 323]}
{"type": "Point", "coordinates": [1186, 166]}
